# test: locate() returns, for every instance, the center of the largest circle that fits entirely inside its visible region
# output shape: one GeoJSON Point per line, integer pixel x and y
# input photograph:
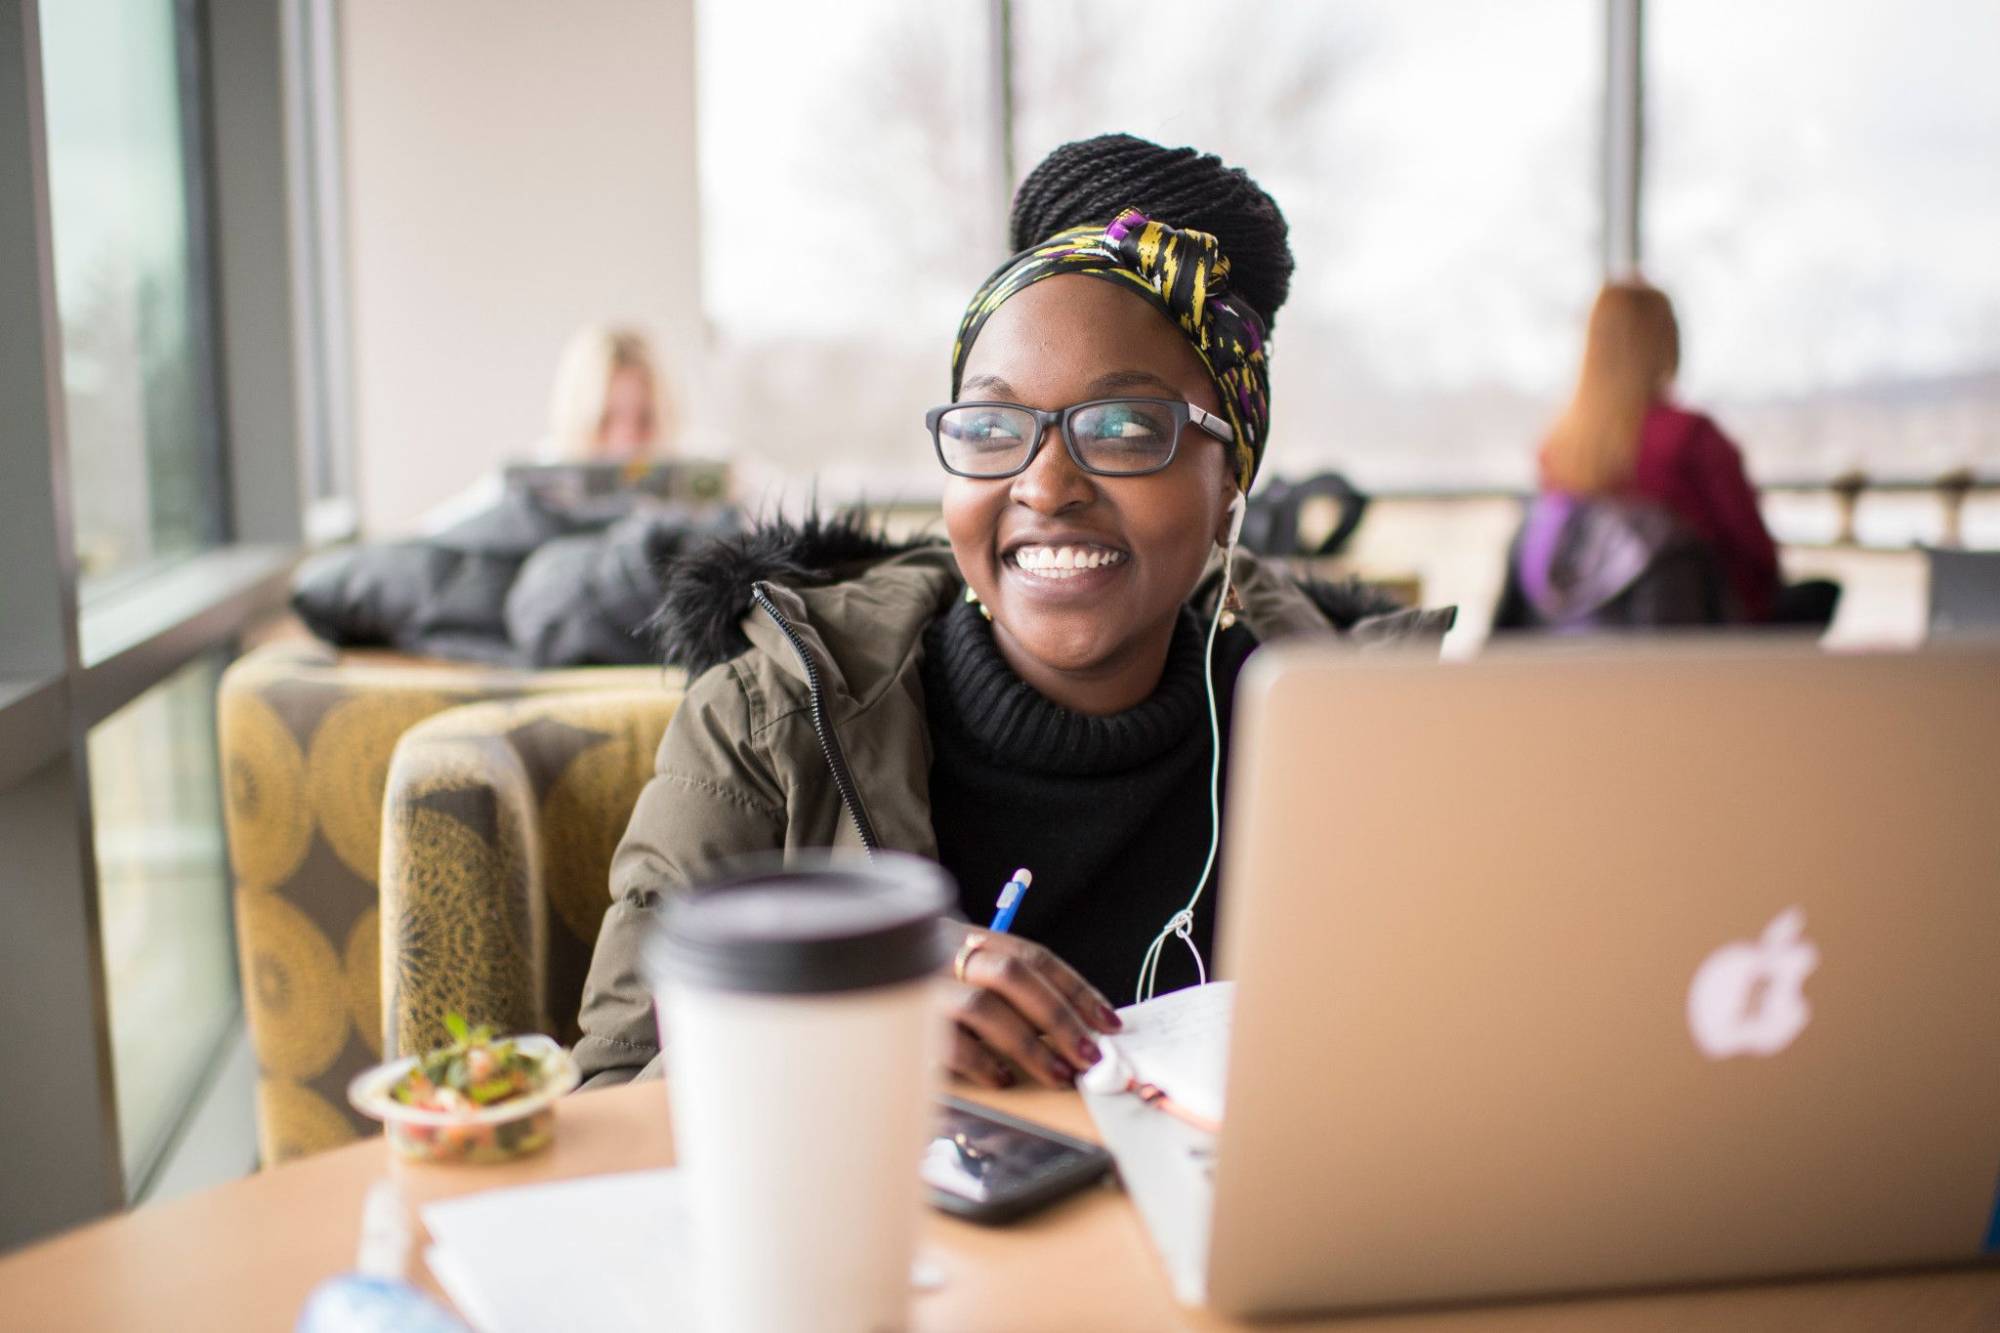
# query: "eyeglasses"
{"type": "Point", "coordinates": [1107, 437]}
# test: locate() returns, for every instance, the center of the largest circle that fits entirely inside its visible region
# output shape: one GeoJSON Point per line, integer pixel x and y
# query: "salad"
{"type": "Point", "coordinates": [479, 1098]}
{"type": "Point", "coordinates": [476, 1070]}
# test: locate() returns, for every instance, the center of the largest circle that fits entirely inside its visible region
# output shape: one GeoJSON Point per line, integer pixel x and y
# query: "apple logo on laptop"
{"type": "Point", "coordinates": [1749, 998]}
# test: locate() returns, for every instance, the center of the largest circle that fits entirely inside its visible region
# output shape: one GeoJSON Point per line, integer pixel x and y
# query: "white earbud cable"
{"type": "Point", "coordinates": [1181, 923]}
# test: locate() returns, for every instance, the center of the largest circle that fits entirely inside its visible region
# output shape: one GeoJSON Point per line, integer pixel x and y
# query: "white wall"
{"type": "Point", "coordinates": [513, 171]}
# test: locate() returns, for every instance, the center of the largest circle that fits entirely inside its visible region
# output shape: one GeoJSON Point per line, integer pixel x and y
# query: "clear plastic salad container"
{"type": "Point", "coordinates": [464, 1131]}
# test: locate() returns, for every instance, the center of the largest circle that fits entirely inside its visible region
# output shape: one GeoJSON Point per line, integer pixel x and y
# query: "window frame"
{"type": "Point", "coordinates": [67, 663]}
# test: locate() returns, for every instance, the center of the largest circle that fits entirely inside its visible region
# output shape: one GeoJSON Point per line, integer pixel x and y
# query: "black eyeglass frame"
{"type": "Point", "coordinates": [1184, 413]}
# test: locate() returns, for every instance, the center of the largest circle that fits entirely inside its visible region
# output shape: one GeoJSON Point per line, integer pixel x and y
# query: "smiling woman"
{"type": "Point", "coordinates": [1093, 644]}
{"type": "Point", "coordinates": [1053, 688]}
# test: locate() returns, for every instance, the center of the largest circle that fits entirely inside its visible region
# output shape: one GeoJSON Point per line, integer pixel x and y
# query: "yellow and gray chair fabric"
{"type": "Point", "coordinates": [499, 826]}
{"type": "Point", "coordinates": [306, 736]}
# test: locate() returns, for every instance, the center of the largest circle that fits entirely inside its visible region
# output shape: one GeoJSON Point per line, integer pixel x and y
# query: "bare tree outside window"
{"type": "Point", "coordinates": [1444, 258]}
{"type": "Point", "coordinates": [848, 209]}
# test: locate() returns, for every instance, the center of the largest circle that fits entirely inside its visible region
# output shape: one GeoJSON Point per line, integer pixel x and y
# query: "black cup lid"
{"type": "Point", "coordinates": [823, 925]}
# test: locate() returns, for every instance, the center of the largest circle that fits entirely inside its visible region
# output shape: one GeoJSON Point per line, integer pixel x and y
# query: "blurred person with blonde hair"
{"type": "Point", "coordinates": [1623, 437]}
{"type": "Point", "coordinates": [523, 569]}
{"type": "Point", "coordinates": [608, 404]}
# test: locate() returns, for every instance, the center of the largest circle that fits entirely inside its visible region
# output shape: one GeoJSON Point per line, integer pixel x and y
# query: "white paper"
{"type": "Point", "coordinates": [600, 1253]}
{"type": "Point", "coordinates": [605, 1254]}
{"type": "Point", "coordinates": [1180, 1041]}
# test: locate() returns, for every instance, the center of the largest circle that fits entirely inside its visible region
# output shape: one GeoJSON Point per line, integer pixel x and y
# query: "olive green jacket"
{"type": "Point", "coordinates": [742, 768]}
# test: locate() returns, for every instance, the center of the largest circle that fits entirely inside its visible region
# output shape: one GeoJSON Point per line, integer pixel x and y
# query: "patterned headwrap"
{"type": "Point", "coordinates": [1185, 275]}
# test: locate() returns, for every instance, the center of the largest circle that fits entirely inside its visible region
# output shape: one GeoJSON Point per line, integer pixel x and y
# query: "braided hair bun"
{"type": "Point", "coordinates": [1087, 182]}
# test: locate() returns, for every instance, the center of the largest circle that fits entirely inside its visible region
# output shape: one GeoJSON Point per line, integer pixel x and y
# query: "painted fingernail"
{"type": "Point", "coordinates": [1088, 1050]}
{"type": "Point", "coordinates": [1062, 1071]}
{"type": "Point", "coordinates": [1006, 1078]}
{"type": "Point", "coordinates": [1108, 1018]}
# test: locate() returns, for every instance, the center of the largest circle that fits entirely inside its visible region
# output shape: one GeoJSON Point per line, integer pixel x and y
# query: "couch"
{"type": "Point", "coordinates": [306, 738]}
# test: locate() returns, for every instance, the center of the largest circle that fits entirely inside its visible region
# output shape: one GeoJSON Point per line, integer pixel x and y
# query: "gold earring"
{"type": "Point", "coordinates": [1230, 606]}
{"type": "Point", "coordinates": [973, 598]}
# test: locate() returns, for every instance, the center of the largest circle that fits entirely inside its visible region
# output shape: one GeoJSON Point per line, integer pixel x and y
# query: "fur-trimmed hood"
{"type": "Point", "coordinates": [707, 590]}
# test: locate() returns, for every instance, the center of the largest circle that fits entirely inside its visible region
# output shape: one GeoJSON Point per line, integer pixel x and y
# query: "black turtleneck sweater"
{"type": "Point", "coordinates": [1110, 813]}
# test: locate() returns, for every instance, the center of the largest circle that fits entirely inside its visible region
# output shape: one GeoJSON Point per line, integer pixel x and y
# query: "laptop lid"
{"type": "Point", "coordinates": [1586, 969]}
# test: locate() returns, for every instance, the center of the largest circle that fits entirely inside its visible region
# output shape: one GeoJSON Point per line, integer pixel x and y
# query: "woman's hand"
{"type": "Point", "coordinates": [1019, 1007]}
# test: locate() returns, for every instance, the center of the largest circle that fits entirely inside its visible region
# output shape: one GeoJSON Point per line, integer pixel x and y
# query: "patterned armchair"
{"type": "Point", "coordinates": [306, 735]}
{"type": "Point", "coordinates": [498, 828]}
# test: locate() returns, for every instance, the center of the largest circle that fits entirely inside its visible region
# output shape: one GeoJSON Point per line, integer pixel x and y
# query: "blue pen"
{"type": "Point", "coordinates": [1011, 894]}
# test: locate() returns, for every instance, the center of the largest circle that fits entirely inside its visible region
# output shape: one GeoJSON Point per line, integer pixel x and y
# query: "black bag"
{"type": "Point", "coordinates": [1271, 523]}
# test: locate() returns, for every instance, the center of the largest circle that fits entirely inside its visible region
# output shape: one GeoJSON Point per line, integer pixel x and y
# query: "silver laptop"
{"type": "Point", "coordinates": [1578, 970]}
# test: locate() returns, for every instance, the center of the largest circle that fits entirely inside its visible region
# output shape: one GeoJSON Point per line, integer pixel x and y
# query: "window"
{"type": "Point", "coordinates": [130, 286]}
{"type": "Point", "coordinates": [1445, 259]}
{"type": "Point", "coordinates": [1820, 201]}
{"type": "Point", "coordinates": [113, 893]}
{"type": "Point", "coordinates": [852, 199]}
{"type": "Point", "coordinates": [169, 949]}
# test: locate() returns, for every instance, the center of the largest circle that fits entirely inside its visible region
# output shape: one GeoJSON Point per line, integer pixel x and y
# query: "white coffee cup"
{"type": "Point", "coordinates": [796, 1013]}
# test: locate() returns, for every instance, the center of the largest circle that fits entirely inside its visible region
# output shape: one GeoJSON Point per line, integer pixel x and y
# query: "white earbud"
{"type": "Point", "coordinates": [1237, 508]}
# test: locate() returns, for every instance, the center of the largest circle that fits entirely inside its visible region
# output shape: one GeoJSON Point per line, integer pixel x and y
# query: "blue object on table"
{"type": "Point", "coordinates": [358, 1303]}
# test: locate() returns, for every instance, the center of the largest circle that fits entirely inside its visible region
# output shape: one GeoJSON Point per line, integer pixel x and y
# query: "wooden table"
{"type": "Point", "coordinates": [244, 1255]}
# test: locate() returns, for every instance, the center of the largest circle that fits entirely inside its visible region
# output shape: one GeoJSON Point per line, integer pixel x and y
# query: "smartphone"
{"type": "Point", "coordinates": [990, 1167]}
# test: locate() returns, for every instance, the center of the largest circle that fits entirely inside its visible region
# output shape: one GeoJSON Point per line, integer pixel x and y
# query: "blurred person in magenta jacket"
{"type": "Point", "coordinates": [1623, 436]}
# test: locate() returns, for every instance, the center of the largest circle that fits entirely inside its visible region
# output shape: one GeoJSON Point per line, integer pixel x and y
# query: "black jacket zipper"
{"type": "Point", "coordinates": [829, 744]}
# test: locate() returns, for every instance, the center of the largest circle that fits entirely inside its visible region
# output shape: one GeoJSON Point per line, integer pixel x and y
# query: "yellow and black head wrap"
{"type": "Point", "coordinates": [1185, 275]}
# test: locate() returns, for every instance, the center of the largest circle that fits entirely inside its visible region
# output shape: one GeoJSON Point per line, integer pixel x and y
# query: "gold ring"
{"type": "Point", "coordinates": [974, 942]}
